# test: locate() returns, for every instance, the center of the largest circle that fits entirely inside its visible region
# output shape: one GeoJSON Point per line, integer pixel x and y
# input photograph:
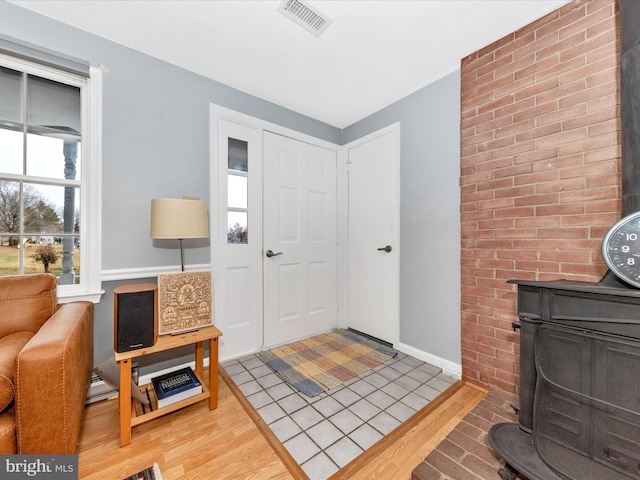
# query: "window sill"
{"type": "Point", "coordinates": [67, 297]}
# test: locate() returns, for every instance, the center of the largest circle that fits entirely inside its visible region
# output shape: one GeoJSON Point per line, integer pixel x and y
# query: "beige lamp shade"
{"type": "Point", "coordinates": [178, 218]}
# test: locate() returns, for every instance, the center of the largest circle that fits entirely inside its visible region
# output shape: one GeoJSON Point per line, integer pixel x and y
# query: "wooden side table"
{"type": "Point", "coordinates": [128, 416]}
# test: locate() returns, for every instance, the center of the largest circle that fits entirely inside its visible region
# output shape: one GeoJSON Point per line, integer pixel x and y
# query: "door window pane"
{"type": "Point", "coordinates": [237, 192]}
{"type": "Point", "coordinates": [237, 227]}
{"type": "Point", "coordinates": [238, 155]}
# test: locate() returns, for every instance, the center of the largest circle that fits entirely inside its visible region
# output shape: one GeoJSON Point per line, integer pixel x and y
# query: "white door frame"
{"type": "Point", "coordinates": [343, 198]}
{"type": "Point", "coordinates": [217, 203]}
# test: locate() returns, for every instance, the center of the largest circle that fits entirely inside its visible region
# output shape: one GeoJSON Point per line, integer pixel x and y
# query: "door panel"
{"type": "Point", "coordinates": [317, 287]}
{"type": "Point", "coordinates": [373, 225]}
{"type": "Point", "coordinates": [237, 268]}
{"type": "Point", "coordinates": [238, 300]}
{"type": "Point", "coordinates": [288, 288]}
{"type": "Point", "coordinates": [289, 215]}
{"type": "Point", "coordinates": [299, 227]}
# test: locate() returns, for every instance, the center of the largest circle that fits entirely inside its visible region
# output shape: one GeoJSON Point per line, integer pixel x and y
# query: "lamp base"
{"type": "Point", "coordinates": [181, 256]}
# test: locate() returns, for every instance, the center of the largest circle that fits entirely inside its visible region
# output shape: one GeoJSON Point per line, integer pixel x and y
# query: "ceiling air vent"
{"type": "Point", "coordinates": [305, 15]}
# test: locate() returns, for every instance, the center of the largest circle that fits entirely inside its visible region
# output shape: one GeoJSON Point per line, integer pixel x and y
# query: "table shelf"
{"type": "Point", "coordinates": [129, 416]}
{"type": "Point", "coordinates": [138, 416]}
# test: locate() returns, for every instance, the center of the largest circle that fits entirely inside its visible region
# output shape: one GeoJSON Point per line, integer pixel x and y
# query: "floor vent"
{"type": "Point", "coordinates": [305, 15]}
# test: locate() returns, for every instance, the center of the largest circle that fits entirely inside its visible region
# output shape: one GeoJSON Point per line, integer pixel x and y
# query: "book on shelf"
{"type": "Point", "coordinates": [175, 386]}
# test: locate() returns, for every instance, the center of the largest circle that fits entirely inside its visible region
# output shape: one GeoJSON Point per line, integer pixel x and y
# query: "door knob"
{"type": "Point", "coordinates": [385, 249]}
{"type": "Point", "coordinates": [271, 254]}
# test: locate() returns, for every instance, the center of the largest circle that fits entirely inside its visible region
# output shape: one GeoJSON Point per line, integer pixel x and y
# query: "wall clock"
{"type": "Point", "coordinates": [621, 249]}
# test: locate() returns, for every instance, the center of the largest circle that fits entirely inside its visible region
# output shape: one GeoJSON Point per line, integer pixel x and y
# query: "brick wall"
{"type": "Point", "coordinates": [540, 171]}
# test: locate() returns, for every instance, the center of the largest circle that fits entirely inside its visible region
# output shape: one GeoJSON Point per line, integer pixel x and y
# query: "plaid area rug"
{"type": "Point", "coordinates": [323, 362]}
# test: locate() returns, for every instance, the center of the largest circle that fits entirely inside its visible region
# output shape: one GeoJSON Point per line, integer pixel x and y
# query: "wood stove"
{"type": "Point", "coordinates": [579, 412]}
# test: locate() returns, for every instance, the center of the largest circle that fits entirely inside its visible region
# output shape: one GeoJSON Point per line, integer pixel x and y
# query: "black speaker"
{"type": "Point", "coordinates": [135, 316]}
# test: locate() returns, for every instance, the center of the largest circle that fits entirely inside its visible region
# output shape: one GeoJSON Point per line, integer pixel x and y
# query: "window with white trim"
{"type": "Point", "coordinates": [50, 166]}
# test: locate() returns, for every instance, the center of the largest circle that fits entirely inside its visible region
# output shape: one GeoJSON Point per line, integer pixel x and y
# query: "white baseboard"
{"type": "Point", "coordinates": [448, 367]}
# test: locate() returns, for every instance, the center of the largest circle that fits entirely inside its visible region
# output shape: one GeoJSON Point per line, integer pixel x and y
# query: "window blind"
{"type": "Point", "coordinates": [43, 56]}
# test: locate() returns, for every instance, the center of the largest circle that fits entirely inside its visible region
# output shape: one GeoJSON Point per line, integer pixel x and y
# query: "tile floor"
{"type": "Point", "coordinates": [326, 432]}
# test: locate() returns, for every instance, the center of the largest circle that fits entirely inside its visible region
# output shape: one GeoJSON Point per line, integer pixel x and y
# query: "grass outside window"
{"type": "Point", "coordinates": [10, 258]}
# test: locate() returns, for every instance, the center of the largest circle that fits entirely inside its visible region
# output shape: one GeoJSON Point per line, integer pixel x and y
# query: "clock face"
{"type": "Point", "coordinates": [621, 249]}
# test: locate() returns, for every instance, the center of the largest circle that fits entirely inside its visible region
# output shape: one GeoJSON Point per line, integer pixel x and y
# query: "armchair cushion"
{"type": "Point", "coordinates": [10, 346]}
{"type": "Point", "coordinates": [26, 302]}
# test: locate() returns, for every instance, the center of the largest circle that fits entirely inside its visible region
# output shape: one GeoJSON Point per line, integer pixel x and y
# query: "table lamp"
{"type": "Point", "coordinates": [178, 219]}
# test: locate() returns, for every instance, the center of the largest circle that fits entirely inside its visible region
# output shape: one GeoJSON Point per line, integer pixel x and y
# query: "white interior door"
{"type": "Point", "coordinates": [373, 278]}
{"type": "Point", "coordinates": [299, 239]}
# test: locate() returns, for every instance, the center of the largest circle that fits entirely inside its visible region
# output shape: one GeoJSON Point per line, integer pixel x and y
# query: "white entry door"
{"type": "Point", "coordinates": [373, 272]}
{"type": "Point", "coordinates": [299, 239]}
{"type": "Point", "coordinates": [236, 236]}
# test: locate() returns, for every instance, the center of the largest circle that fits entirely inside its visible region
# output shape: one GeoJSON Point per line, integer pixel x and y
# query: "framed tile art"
{"type": "Point", "coordinates": [185, 301]}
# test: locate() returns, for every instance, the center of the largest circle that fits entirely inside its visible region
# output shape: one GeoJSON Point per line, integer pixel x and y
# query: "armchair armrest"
{"type": "Point", "coordinates": [53, 372]}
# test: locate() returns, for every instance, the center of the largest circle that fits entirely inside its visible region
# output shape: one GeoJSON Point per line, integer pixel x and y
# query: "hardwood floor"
{"type": "Point", "coordinates": [198, 443]}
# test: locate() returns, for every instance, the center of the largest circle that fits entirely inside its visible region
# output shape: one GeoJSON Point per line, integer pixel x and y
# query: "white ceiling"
{"type": "Point", "coordinates": [374, 53]}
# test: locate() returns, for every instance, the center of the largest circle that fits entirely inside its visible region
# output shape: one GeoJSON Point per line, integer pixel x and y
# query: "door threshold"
{"type": "Point", "coordinates": [371, 337]}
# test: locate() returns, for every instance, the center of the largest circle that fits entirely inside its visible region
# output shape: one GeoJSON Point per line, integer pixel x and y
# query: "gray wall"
{"type": "Point", "coordinates": [155, 132]}
{"type": "Point", "coordinates": [429, 213]}
{"type": "Point", "coordinates": [156, 144]}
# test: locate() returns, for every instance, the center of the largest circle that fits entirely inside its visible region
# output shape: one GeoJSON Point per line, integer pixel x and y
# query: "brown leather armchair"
{"type": "Point", "coordinates": [46, 358]}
